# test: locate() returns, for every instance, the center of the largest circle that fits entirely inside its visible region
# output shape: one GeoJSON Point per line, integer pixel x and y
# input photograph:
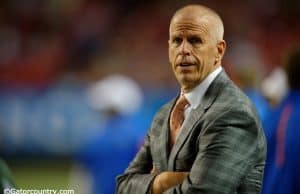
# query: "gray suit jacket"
{"type": "Point", "coordinates": [222, 145]}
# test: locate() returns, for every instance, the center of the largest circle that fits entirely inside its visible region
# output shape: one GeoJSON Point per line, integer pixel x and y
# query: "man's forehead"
{"type": "Point", "coordinates": [198, 17]}
{"type": "Point", "coordinates": [189, 24]}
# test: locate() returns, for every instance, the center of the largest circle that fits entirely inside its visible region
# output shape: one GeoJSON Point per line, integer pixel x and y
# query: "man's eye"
{"type": "Point", "coordinates": [195, 40]}
{"type": "Point", "coordinates": [177, 40]}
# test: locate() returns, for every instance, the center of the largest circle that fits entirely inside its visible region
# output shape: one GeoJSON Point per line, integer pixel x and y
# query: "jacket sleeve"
{"type": "Point", "coordinates": [227, 149]}
{"type": "Point", "coordinates": [137, 178]}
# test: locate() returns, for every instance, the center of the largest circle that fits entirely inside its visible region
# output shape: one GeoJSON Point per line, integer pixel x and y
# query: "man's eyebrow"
{"type": "Point", "coordinates": [175, 35]}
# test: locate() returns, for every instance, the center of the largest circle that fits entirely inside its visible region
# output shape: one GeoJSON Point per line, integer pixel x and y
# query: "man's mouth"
{"type": "Point", "coordinates": [185, 64]}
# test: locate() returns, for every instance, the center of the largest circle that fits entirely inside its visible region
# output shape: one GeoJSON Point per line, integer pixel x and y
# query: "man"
{"type": "Point", "coordinates": [209, 139]}
{"type": "Point", "coordinates": [282, 173]}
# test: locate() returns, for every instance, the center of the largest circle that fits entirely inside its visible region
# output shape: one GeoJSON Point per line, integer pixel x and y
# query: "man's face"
{"type": "Point", "coordinates": [193, 50]}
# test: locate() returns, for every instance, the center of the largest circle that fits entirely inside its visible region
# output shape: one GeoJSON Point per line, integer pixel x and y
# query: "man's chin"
{"type": "Point", "coordinates": [186, 81]}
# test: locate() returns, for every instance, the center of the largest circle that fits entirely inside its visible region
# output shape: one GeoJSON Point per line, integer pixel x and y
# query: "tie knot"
{"type": "Point", "coordinates": [182, 102]}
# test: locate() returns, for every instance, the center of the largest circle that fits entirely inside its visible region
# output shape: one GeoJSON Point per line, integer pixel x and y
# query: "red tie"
{"type": "Point", "coordinates": [177, 118]}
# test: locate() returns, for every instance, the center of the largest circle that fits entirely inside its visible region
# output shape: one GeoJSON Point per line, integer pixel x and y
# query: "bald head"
{"type": "Point", "coordinates": [201, 14]}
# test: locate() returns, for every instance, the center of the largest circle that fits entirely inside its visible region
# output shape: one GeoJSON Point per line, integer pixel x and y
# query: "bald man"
{"type": "Point", "coordinates": [209, 138]}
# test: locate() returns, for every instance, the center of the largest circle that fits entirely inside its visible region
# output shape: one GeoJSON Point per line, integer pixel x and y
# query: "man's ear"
{"type": "Point", "coordinates": [221, 46]}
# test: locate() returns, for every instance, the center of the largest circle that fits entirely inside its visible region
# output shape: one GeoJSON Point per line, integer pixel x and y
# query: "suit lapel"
{"type": "Point", "coordinates": [191, 122]}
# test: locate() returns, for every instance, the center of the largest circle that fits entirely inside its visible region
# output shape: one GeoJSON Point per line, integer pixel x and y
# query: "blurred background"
{"type": "Point", "coordinates": [80, 80]}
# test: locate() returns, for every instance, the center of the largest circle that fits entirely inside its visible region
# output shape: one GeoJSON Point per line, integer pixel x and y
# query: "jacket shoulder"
{"type": "Point", "coordinates": [233, 98]}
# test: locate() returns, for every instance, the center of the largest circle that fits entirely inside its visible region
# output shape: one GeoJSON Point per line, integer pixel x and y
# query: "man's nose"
{"type": "Point", "coordinates": [185, 48]}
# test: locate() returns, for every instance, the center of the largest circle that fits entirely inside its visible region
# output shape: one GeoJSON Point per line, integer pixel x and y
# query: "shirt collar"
{"type": "Point", "coordinates": [195, 96]}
